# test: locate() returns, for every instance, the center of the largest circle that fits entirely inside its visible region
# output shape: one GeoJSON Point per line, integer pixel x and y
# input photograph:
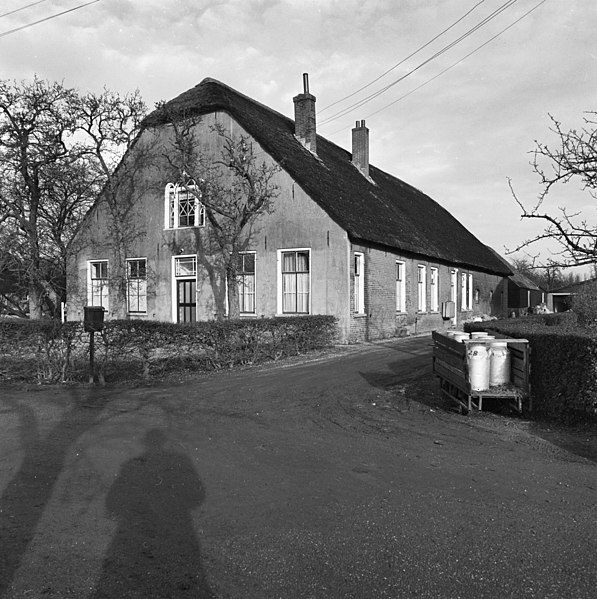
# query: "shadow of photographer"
{"type": "Point", "coordinates": [154, 551]}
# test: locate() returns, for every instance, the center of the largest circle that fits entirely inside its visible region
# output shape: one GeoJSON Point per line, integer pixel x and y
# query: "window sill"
{"type": "Point", "coordinates": [359, 314]}
{"type": "Point", "coordinates": [184, 228]}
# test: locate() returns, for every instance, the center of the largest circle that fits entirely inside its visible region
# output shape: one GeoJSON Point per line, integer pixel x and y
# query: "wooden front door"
{"type": "Point", "coordinates": [187, 300]}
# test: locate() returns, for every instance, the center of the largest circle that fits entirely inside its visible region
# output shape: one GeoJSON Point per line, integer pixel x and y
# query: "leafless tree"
{"type": "Point", "coordinates": [236, 188]}
{"type": "Point", "coordinates": [58, 149]}
{"type": "Point", "coordinates": [574, 157]}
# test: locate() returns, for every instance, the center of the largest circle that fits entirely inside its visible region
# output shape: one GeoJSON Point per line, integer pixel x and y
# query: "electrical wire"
{"type": "Point", "coordinates": [453, 64]}
{"type": "Point", "coordinates": [64, 12]}
{"type": "Point", "coordinates": [12, 12]}
{"type": "Point", "coordinates": [443, 50]}
{"type": "Point", "coordinates": [403, 60]}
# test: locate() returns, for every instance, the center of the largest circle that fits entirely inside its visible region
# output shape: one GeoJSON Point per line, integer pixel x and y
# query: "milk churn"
{"type": "Point", "coordinates": [499, 363]}
{"type": "Point", "coordinates": [478, 365]}
{"type": "Point", "coordinates": [478, 334]}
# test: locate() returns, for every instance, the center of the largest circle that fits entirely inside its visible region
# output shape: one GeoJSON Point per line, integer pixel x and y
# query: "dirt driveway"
{"type": "Point", "coordinates": [341, 476]}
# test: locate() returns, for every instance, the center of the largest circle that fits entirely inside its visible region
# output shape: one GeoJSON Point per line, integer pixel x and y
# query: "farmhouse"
{"type": "Point", "coordinates": [342, 237]}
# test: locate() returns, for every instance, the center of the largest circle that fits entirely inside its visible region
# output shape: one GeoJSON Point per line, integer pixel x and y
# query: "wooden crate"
{"type": "Point", "coordinates": [450, 364]}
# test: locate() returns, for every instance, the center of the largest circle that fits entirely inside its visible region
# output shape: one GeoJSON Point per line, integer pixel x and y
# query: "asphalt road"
{"type": "Point", "coordinates": [340, 476]}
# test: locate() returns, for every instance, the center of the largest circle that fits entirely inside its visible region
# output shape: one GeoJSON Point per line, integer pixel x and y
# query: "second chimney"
{"type": "Point", "coordinates": [304, 117]}
{"type": "Point", "coordinates": [360, 147]}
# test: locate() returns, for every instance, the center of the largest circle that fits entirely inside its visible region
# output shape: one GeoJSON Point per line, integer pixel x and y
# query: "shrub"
{"type": "Point", "coordinates": [563, 363]}
{"type": "Point", "coordinates": [46, 351]}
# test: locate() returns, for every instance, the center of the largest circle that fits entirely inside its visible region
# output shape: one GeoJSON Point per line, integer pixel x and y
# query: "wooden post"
{"type": "Point", "coordinates": [91, 357]}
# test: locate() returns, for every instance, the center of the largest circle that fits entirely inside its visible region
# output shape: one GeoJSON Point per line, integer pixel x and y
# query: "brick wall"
{"type": "Point", "coordinates": [382, 320]}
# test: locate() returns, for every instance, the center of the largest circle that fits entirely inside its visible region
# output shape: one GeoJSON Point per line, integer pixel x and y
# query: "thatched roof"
{"type": "Point", "coordinates": [385, 211]}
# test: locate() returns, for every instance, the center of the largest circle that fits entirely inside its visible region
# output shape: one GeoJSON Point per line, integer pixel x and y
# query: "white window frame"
{"type": "Point", "coordinates": [421, 288]}
{"type": "Point", "coordinates": [172, 197]}
{"type": "Point", "coordinates": [466, 287]}
{"type": "Point", "coordinates": [400, 286]}
{"type": "Point", "coordinates": [454, 287]}
{"type": "Point", "coordinates": [359, 283]}
{"type": "Point", "coordinates": [136, 288]}
{"type": "Point", "coordinates": [104, 285]}
{"type": "Point", "coordinates": [279, 266]}
{"type": "Point", "coordinates": [242, 293]}
{"type": "Point", "coordinates": [178, 275]}
{"type": "Point", "coordinates": [434, 288]}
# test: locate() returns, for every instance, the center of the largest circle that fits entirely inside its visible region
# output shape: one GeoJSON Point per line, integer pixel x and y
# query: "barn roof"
{"type": "Point", "coordinates": [383, 210]}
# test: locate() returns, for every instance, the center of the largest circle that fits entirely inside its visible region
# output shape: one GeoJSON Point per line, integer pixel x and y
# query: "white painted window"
{"type": "Point", "coordinates": [97, 283]}
{"type": "Point", "coordinates": [136, 275]}
{"type": "Point", "coordinates": [421, 288]}
{"type": "Point", "coordinates": [434, 289]}
{"type": "Point", "coordinates": [246, 282]}
{"type": "Point", "coordinates": [466, 284]}
{"type": "Point", "coordinates": [454, 287]}
{"type": "Point", "coordinates": [400, 287]}
{"type": "Point", "coordinates": [294, 282]}
{"type": "Point", "coordinates": [182, 207]}
{"type": "Point", "coordinates": [359, 283]}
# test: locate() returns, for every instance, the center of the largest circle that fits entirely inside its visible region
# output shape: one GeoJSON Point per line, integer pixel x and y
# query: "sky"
{"type": "Point", "coordinates": [459, 136]}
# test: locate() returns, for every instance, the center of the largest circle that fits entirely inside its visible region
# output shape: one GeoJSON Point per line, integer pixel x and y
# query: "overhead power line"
{"type": "Point", "coordinates": [466, 14]}
{"type": "Point", "coordinates": [443, 50]}
{"type": "Point", "coordinates": [491, 39]}
{"type": "Point", "coordinates": [12, 12]}
{"type": "Point", "coordinates": [64, 12]}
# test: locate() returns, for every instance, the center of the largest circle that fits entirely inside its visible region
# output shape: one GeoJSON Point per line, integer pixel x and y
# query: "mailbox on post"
{"type": "Point", "coordinates": [93, 319]}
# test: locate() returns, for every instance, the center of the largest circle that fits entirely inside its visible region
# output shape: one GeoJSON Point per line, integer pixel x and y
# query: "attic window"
{"type": "Point", "coordinates": [182, 206]}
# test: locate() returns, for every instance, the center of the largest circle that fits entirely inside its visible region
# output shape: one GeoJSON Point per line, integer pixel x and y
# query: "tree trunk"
{"type": "Point", "coordinates": [233, 303]}
{"type": "Point", "coordinates": [35, 301]}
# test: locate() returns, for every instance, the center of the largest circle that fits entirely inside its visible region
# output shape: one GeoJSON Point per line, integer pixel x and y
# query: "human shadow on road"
{"type": "Point", "coordinates": [23, 501]}
{"type": "Point", "coordinates": [154, 552]}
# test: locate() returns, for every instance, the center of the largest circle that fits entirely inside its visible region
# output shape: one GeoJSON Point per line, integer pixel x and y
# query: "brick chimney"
{"type": "Point", "coordinates": [304, 117]}
{"type": "Point", "coordinates": [360, 147]}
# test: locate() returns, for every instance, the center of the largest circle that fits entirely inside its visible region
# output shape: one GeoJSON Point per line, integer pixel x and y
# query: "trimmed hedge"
{"type": "Point", "coordinates": [563, 362]}
{"type": "Point", "coordinates": [45, 351]}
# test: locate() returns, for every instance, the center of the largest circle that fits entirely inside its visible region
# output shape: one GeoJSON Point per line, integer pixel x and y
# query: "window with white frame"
{"type": "Point", "coordinates": [434, 289]}
{"type": "Point", "coordinates": [97, 289]}
{"type": "Point", "coordinates": [466, 288]}
{"type": "Point", "coordinates": [295, 281]}
{"type": "Point", "coordinates": [182, 206]}
{"type": "Point", "coordinates": [136, 274]}
{"type": "Point", "coordinates": [246, 282]}
{"type": "Point", "coordinates": [359, 283]}
{"type": "Point", "coordinates": [454, 288]}
{"type": "Point", "coordinates": [421, 288]}
{"type": "Point", "coordinates": [185, 266]}
{"type": "Point", "coordinates": [400, 287]}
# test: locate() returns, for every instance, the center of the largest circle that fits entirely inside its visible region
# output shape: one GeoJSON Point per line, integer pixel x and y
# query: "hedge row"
{"type": "Point", "coordinates": [563, 362]}
{"type": "Point", "coordinates": [46, 351]}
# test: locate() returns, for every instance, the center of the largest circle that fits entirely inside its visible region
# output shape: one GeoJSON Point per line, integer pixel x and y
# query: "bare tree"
{"type": "Point", "coordinates": [236, 188]}
{"type": "Point", "coordinates": [110, 124]}
{"type": "Point", "coordinates": [36, 122]}
{"type": "Point", "coordinates": [58, 149]}
{"type": "Point", "coordinates": [573, 158]}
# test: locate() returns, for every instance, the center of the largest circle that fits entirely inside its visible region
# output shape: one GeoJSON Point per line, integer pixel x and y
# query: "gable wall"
{"type": "Point", "coordinates": [295, 223]}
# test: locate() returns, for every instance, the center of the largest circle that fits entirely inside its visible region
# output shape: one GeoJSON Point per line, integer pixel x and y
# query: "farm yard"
{"type": "Point", "coordinates": [343, 474]}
